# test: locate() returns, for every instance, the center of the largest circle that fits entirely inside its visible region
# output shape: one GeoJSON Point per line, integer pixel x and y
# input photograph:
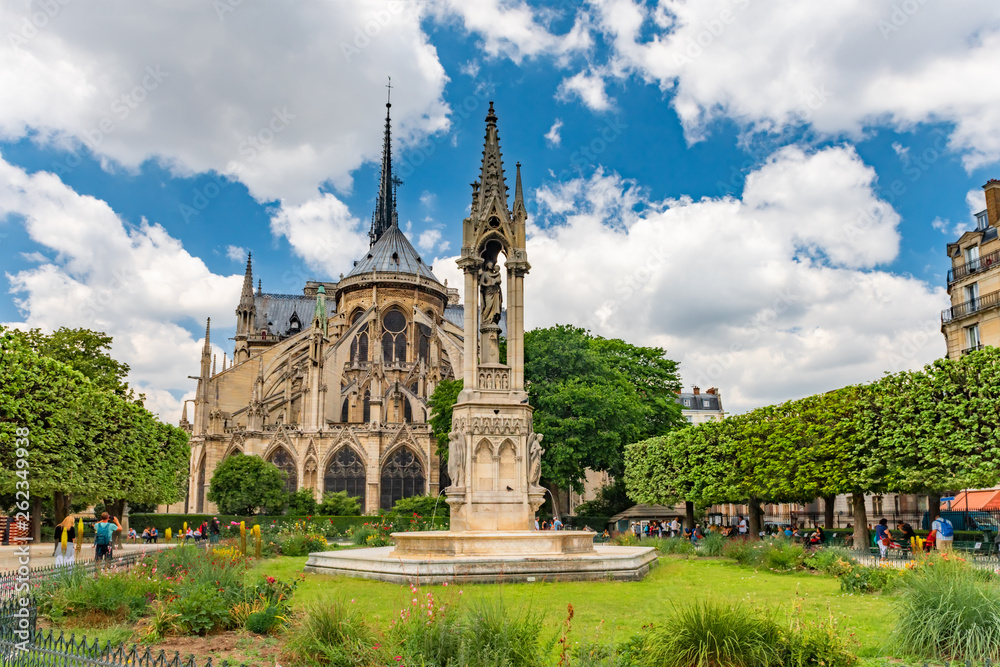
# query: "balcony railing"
{"type": "Point", "coordinates": [975, 266]}
{"type": "Point", "coordinates": [972, 349]}
{"type": "Point", "coordinates": [957, 312]}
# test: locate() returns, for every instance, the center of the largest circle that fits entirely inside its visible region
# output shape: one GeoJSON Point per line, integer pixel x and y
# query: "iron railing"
{"type": "Point", "coordinates": [956, 312]}
{"type": "Point", "coordinates": [972, 349]}
{"type": "Point", "coordinates": [23, 645]}
{"type": "Point", "coordinates": [974, 266]}
{"type": "Point", "coordinates": [12, 582]}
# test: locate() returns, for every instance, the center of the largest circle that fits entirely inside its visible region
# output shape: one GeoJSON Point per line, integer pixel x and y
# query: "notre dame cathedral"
{"type": "Point", "coordinates": [332, 385]}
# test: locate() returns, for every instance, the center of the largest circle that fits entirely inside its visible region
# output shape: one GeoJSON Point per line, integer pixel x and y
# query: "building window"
{"type": "Point", "coordinates": [972, 337]}
{"type": "Point", "coordinates": [359, 346]}
{"type": "Point", "coordinates": [394, 337]}
{"type": "Point", "coordinates": [424, 350]}
{"type": "Point", "coordinates": [402, 477]}
{"type": "Point", "coordinates": [687, 402]}
{"type": "Point", "coordinates": [689, 419]}
{"type": "Point", "coordinates": [705, 403]}
{"type": "Point", "coordinates": [283, 460]}
{"type": "Point", "coordinates": [877, 505]}
{"type": "Point", "coordinates": [972, 292]}
{"type": "Point", "coordinates": [366, 413]}
{"type": "Point", "coordinates": [972, 258]}
{"type": "Point", "coordinates": [346, 472]}
{"type": "Point", "coordinates": [982, 220]}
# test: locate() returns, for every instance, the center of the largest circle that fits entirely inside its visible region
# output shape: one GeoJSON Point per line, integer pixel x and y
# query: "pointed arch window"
{"type": "Point", "coordinates": [394, 337]}
{"type": "Point", "coordinates": [367, 412]}
{"type": "Point", "coordinates": [359, 346]}
{"type": "Point", "coordinates": [283, 460]}
{"type": "Point", "coordinates": [402, 477]}
{"type": "Point", "coordinates": [344, 413]}
{"type": "Point", "coordinates": [346, 472]}
{"type": "Point", "coordinates": [407, 410]}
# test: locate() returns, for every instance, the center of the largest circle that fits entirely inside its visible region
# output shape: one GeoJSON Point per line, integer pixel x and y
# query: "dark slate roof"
{"type": "Point", "coordinates": [392, 253]}
{"type": "Point", "coordinates": [456, 315]}
{"type": "Point", "coordinates": [698, 402]}
{"type": "Point", "coordinates": [279, 308]}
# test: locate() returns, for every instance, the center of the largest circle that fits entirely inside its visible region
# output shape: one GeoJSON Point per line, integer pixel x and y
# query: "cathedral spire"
{"type": "Point", "coordinates": [492, 184]}
{"type": "Point", "coordinates": [207, 350]}
{"type": "Point", "coordinates": [518, 195]}
{"type": "Point", "coordinates": [385, 206]}
{"type": "Point", "coordinates": [247, 293]}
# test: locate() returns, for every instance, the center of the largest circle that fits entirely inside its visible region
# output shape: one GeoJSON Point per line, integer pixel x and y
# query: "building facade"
{"type": "Point", "coordinates": [698, 408]}
{"type": "Point", "coordinates": [973, 320]}
{"type": "Point", "coordinates": [331, 385]}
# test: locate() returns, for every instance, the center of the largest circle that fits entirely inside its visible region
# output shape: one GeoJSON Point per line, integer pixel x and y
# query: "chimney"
{"type": "Point", "coordinates": [992, 192]}
{"type": "Point", "coordinates": [713, 391]}
{"type": "Point", "coordinates": [697, 390]}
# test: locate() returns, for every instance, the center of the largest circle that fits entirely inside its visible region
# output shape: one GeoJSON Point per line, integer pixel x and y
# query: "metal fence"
{"type": "Point", "coordinates": [22, 645]}
{"type": "Point", "coordinates": [12, 583]}
{"type": "Point", "coordinates": [973, 520]}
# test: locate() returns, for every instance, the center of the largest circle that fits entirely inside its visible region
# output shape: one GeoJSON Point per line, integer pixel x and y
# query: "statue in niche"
{"type": "Point", "coordinates": [489, 283]}
{"type": "Point", "coordinates": [456, 458]}
{"type": "Point", "coordinates": [535, 452]}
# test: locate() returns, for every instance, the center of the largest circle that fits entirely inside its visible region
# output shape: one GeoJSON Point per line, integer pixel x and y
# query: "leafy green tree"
{"type": "Point", "coordinates": [441, 402]}
{"type": "Point", "coordinates": [244, 485]}
{"type": "Point", "coordinates": [86, 351]}
{"type": "Point", "coordinates": [339, 504]}
{"type": "Point", "coordinates": [302, 502]}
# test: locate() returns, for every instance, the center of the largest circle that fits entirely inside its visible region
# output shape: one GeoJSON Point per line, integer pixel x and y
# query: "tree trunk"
{"type": "Point", "coordinates": [554, 494]}
{"type": "Point", "coordinates": [756, 518]}
{"type": "Point", "coordinates": [860, 521]}
{"type": "Point", "coordinates": [62, 506]}
{"type": "Point", "coordinates": [828, 503]}
{"type": "Point", "coordinates": [689, 514]}
{"type": "Point", "coordinates": [933, 507]}
{"type": "Point", "coordinates": [36, 519]}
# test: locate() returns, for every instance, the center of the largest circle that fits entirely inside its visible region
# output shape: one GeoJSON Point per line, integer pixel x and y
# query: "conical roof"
{"type": "Point", "coordinates": [392, 253]}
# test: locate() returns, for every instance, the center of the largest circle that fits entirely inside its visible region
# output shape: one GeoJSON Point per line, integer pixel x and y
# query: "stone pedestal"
{"type": "Point", "coordinates": [600, 563]}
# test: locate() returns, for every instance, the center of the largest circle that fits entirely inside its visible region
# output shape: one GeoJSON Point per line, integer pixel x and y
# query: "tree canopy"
{"type": "Point", "coordinates": [87, 436]}
{"type": "Point", "coordinates": [926, 431]}
{"type": "Point", "coordinates": [244, 485]}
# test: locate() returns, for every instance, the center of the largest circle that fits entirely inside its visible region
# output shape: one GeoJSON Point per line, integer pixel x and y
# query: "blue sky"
{"type": "Point", "coordinates": [765, 191]}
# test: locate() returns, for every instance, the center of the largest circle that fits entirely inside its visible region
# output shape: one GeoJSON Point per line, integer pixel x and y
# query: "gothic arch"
{"type": "Point", "coordinates": [482, 466]}
{"type": "Point", "coordinates": [283, 459]}
{"type": "Point", "coordinates": [401, 476]}
{"type": "Point", "coordinates": [403, 438]}
{"type": "Point", "coordinates": [345, 470]}
{"type": "Point", "coordinates": [507, 469]}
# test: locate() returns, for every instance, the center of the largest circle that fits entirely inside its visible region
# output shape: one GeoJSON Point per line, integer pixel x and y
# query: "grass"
{"type": "Point", "coordinates": [616, 610]}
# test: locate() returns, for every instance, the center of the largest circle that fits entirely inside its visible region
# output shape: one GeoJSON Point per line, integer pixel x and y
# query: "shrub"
{"type": "Point", "coordinates": [262, 622]}
{"type": "Point", "coordinates": [301, 544]}
{"type": "Point", "coordinates": [675, 545]}
{"type": "Point", "coordinates": [782, 556]}
{"type": "Point", "coordinates": [339, 504]}
{"type": "Point", "coordinates": [832, 560]}
{"type": "Point", "coordinates": [714, 633]}
{"type": "Point", "coordinates": [711, 634]}
{"type": "Point", "coordinates": [946, 609]}
{"type": "Point", "coordinates": [200, 610]}
{"type": "Point", "coordinates": [334, 633]}
{"type": "Point", "coordinates": [432, 506]}
{"type": "Point", "coordinates": [712, 545]}
{"type": "Point", "coordinates": [864, 579]}
{"type": "Point", "coordinates": [743, 552]}
{"type": "Point", "coordinates": [494, 634]}
{"type": "Point", "coordinates": [360, 536]}
{"type": "Point", "coordinates": [302, 502]}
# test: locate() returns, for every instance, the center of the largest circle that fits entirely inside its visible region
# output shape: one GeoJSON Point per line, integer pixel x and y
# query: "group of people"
{"type": "Point", "coordinates": [104, 534]}
{"type": "Point", "coordinates": [207, 531]}
{"type": "Point", "coordinates": [674, 528]}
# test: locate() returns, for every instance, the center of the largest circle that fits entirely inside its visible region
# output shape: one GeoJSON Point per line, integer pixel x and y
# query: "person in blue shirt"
{"type": "Point", "coordinates": [882, 537]}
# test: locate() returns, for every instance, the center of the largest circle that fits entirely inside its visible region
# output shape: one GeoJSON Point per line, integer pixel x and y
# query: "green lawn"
{"type": "Point", "coordinates": [616, 610]}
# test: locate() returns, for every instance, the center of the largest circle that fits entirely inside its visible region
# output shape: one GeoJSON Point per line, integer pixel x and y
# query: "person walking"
{"type": "Point", "coordinates": [214, 529]}
{"type": "Point", "coordinates": [67, 557]}
{"type": "Point", "coordinates": [945, 533]}
{"type": "Point", "coordinates": [104, 535]}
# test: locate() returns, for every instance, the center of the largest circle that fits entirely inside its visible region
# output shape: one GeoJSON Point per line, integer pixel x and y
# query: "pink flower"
{"type": "Point", "coordinates": [398, 658]}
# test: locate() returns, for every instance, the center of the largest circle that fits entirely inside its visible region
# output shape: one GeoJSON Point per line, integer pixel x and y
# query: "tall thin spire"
{"type": "Point", "coordinates": [385, 206]}
{"type": "Point", "coordinates": [492, 181]}
{"type": "Point", "coordinates": [208, 337]}
{"type": "Point", "coordinates": [518, 195]}
{"type": "Point", "coordinates": [247, 292]}
{"type": "Point", "coordinates": [214, 359]}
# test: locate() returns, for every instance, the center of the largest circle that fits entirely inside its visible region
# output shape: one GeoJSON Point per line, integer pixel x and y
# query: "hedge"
{"type": "Point", "coordinates": [176, 521]}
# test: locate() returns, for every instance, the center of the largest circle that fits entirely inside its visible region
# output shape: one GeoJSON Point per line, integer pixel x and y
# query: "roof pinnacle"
{"type": "Point", "coordinates": [208, 336]}
{"type": "Point", "coordinates": [385, 205]}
